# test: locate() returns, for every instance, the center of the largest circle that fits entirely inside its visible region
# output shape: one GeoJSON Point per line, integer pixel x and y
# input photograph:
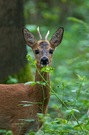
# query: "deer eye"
{"type": "Point", "coordinates": [36, 51]}
{"type": "Point", "coordinates": [51, 51]}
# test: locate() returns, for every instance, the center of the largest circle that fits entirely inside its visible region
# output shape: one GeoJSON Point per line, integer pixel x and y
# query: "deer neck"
{"type": "Point", "coordinates": [42, 77]}
{"type": "Point", "coordinates": [42, 91]}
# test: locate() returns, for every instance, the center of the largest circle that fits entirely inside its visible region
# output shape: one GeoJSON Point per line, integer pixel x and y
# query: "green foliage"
{"type": "Point", "coordinates": [70, 84]}
{"type": "Point", "coordinates": [70, 81]}
{"type": "Point", "coordinates": [69, 103]}
{"type": "Point", "coordinates": [23, 76]}
{"type": "Point", "coordinates": [55, 13]}
{"type": "Point", "coordinates": [9, 133]}
{"type": "Point", "coordinates": [47, 69]}
{"type": "Point", "coordinates": [34, 83]}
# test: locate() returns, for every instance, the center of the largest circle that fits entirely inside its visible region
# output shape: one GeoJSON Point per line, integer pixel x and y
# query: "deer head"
{"type": "Point", "coordinates": [43, 49]}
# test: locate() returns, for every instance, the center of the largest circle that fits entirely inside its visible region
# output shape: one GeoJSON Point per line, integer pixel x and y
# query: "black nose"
{"type": "Point", "coordinates": [44, 61]}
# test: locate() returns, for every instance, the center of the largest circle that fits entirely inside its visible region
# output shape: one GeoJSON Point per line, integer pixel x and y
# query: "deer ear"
{"type": "Point", "coordinates": [29, 38]}
{"type": "Point", "coordinates": [57, 37]}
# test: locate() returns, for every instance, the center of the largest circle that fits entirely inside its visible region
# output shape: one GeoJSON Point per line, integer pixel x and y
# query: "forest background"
{"type": "Point", "coordinates": [68, 108]}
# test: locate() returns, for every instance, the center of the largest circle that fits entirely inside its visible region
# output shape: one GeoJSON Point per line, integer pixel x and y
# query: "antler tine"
{"type": "Point", "coordinates": [38, 30]}
{"type": "Point", "coordinates": [47, 35]}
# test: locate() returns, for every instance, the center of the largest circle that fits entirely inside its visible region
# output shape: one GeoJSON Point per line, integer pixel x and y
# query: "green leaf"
{"type": "Point", "coordinates": [34, 83]}
{"type": "Point", "coordinates": [29, 58]}
{"type": "Point", "coordinates": [80, 77]}
{"type": "Point", "coordinates": [9, 133]}
{"type": "Point", "coordinates": [31, 133]}
{"type": "Point", "coordinates": [71, 111]}
{"type": "Point", "coordinates": [41, 83]}
{"type": "Point", "coordinates": [27, 120]}
{"type": "Point", "coordinates": [47, 69]}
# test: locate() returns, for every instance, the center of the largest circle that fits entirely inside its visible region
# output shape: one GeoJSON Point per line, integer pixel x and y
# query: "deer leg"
{"type": "Point", "coordinates": [23, 128]}
{"type": "Point", "coordinates": [17, 128]}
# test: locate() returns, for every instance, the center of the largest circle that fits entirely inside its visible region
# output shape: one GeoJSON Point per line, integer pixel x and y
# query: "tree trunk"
{"type": "Point", "coordinates": [12, 45]}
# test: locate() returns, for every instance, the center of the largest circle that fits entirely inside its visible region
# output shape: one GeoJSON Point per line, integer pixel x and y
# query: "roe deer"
{"type": "Point", "coordinates": [20, 103]}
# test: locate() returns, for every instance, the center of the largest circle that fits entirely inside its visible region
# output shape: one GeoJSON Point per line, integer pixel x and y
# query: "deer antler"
{"type": "Point", "coordinates": [47, 35]}
{"type": "Point", "coordinates": [38, 30]}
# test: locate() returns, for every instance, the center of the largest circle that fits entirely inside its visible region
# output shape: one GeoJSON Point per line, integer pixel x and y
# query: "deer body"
{"type": "Point", "coordinates": [12, 109]}
{"type": "Point", "coordinates": [20, 103]}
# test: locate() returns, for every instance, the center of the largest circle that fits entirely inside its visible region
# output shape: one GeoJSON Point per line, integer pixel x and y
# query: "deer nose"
{"type": "Point", "coordinates": [44, 61]}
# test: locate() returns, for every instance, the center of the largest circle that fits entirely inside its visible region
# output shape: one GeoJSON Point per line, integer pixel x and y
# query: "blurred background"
{"type": "Point", "coordinates": [67, 113]}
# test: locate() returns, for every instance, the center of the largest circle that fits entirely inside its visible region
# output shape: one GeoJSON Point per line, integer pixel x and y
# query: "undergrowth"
{"type": "Point", "coordinates": [69, 103]}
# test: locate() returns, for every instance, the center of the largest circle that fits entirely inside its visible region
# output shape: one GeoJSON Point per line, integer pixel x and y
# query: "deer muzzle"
{"type": "Point", "coordinates": [44, 61]}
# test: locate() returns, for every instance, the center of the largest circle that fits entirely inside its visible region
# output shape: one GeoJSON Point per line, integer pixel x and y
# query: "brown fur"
{"type": "Point", "coordinates": [12, 109]}
{"type": "Point", "coordinates": [21, 102]}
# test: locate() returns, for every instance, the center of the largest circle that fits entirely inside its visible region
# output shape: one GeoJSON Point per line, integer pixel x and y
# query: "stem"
{"type": "Point", "coordinates": [58, 98]}
{"type": "Point", "coordinates": [57, 95]}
